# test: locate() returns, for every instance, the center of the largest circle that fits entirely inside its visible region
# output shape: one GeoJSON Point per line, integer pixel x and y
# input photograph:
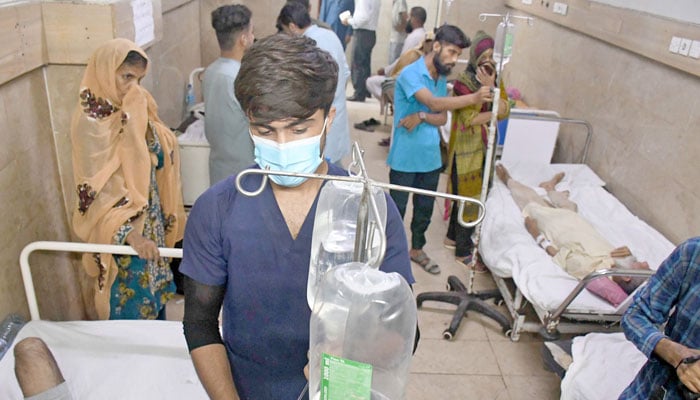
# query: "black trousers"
{"type": "Point", "coordinates": [461, 235]}
{"type": "Point", "coordinates": [364, 41]}
{"type": "Point", "coordinates": [422, 205]}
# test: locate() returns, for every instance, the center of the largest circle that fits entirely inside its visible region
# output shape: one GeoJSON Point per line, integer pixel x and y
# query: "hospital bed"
{"type": "Point", "coordinates": [122, 359]}
{"type": "Point", "coordinates": [603, 365]}
{"type": "Point", "coordinates": [524, 273]}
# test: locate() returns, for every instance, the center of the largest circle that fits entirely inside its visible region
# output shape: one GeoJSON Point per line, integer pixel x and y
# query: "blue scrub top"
{"type": "Point", "coordinates": [243, 243]}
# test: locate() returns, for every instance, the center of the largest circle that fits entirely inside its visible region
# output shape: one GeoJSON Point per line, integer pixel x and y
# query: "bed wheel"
{"type": "Point", "coordinates": [448, 287]}
{"type": "Point", "coordinates": [549, 336]}
{"type": "Point", "coordinates": [447, 335]}
{"type": "Point", "coordinates": [508, 332]}
{"type": "Point", "coordinates": [500, 302]}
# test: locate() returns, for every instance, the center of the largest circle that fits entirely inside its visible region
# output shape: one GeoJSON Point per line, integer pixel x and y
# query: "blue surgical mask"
{"type": "Point", "coordinates": [303, 156]}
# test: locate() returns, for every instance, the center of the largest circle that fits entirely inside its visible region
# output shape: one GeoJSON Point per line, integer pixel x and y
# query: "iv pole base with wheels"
{"type": "Point", "coordinates": [458, 294]}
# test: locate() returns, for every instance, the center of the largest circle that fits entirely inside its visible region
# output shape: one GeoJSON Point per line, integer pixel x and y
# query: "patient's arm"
{"type": "Point", "coordinates": [531, 226]}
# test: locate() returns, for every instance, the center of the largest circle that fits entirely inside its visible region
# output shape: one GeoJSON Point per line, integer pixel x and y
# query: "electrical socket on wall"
{"type": "Point", "coordinates": [675, 45]}
{"type": "Point", "coordinates": [528, 2]}
{"type": "Point", "coordinates": [694, 49]}
{"type": "Point", "coordinates": [560, 8]}
{"type": "Point", "coordinates": [684, 50]}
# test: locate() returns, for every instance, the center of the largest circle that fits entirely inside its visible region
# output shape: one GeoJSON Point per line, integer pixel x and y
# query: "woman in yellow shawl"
{"type": "Point", "coordinates": [468, 138]}
{"type": "Point", "coordinates": [127, 171]}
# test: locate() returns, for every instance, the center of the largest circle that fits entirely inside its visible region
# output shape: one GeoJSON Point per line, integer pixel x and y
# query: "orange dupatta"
{"type": "Point", "coordinates": [112, 164]}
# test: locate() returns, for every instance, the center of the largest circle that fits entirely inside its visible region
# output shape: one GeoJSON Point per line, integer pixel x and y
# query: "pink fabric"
{"type": "Point", "coordinates": [607, 290]}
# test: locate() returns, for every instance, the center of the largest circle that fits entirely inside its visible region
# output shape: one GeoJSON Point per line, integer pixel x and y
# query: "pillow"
{"type": "Point", "coordinates": [607, 290]}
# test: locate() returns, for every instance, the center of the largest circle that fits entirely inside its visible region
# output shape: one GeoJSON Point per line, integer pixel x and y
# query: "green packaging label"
{"type": "Point", "coordinates": [343, 379]}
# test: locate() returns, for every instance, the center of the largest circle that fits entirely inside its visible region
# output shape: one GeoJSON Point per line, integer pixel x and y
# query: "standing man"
{"type": "Point", "coordinates": [670, 300]}
{"type": "Point", "coordinates": [225, 124]}
{"type": "Point", "coordinates": [250, 255]}
{"type": "Point", "coordinates": [364, 25]}
{"type": "Point", "coordinates": [399, 29]}
{"type": "Point", "coordinates": [330, 12]}
{"type": "Point", "coordinates": [420, 108]}
{"type": "Point", "coordinates": [294, 19]}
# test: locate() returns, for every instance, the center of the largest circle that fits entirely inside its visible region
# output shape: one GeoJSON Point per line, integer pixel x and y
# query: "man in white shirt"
{"type": "Point", "coordinates": [399, 19]}
{"type": "Point", "coordinates": [295, 20]}
{"type": "Point", "coordinates": [364, 24]}
{"type": "Point", "coordinates": [413, 40]}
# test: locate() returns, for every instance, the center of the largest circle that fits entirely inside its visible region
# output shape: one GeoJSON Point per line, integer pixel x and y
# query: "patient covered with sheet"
{"type": "Point", "coordinates": [574, 244]}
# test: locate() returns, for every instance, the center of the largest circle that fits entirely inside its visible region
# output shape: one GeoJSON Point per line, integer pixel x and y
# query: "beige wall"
{"type": "Point", "coordinates": [36, 167]}
{"type": "Point", "coordinates": [644, 114]}
{"type": "Point", "coordinates": [32, 205]}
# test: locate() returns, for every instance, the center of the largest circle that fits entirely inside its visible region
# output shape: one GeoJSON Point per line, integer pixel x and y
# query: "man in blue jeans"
{"type": "Point", "coordinates": [421, 104]}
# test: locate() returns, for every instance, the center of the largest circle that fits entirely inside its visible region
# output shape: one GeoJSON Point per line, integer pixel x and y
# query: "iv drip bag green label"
{"type": "Point", "coordinates": [343, 379]}
{"type": "Point", "coordinates": [508, 45]}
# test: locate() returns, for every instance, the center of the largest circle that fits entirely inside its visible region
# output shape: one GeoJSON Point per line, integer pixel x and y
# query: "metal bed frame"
{"type": "Point", "coordinates": [553, 322]}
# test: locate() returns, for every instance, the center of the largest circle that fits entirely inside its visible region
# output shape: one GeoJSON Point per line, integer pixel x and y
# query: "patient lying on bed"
{"type": "Point", "coordinates": [573, 242]}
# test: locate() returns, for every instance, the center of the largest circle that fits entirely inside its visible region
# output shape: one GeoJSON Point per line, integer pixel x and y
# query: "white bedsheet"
{"type": "Point", "coordinates": [604, 365]}
{"type": "Point", "coordinates": [114, 359]}
{"type": "Point", "coordinates": [510, 252]}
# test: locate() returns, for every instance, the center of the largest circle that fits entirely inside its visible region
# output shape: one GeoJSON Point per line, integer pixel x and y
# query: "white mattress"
{"type": "Point", "coordinates": [510, 252]}
{"type": "Point", "coordinates": [604, 365]}
{"type": "Point", "coordinates": [114, 359]}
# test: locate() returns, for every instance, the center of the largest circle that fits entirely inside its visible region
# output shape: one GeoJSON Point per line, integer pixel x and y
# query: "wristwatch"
{"type": "Point", "coordinates": [421, 116]}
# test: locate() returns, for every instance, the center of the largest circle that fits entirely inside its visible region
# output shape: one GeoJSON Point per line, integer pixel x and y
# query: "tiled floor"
{"type": "Point", "coordinates": [480, 362]}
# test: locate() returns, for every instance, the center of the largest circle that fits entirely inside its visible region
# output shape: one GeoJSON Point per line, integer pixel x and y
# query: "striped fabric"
{"type": "Point", "coordinates": [675, 284]}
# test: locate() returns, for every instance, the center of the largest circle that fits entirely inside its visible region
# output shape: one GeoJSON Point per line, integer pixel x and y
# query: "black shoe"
{"type": "Point", "coordinates": [356, 97]}
{"type": "Point", "coordinates": [363, 127]}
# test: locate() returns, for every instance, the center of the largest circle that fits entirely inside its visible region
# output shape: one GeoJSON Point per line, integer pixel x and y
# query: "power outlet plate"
{"type": "Point", "coordinates": [694, 49]}
{"type": "Point", "coordinates": [675, 45]}
{"type": "Point", "coordinates": [560, 8]}
{"type": "Point", "coordinates": [684, 50]}
{"type": "Point", "coordinates": [527, 2]}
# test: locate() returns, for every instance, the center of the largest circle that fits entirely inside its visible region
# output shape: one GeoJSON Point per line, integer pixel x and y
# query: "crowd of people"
{"type": "Point", "coordinates": [279, 103]}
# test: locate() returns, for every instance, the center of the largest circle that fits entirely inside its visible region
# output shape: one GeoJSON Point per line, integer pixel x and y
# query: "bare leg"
{"type": "Point", "coordinates": [35, 367]}
{"type": "Point", "coordinates": [550, 184]}
{"type": "Point", "coordinates": [561, 200]}
{"type": "Point", "coordinates": [522, 195]}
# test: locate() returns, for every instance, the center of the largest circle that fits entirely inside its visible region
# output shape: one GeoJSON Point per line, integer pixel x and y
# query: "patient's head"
{"type": "Point", "coordinates": [629, 283]}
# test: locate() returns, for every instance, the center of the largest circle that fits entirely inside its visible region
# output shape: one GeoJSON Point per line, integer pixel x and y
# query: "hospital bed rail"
{"type": "Point", "coordinates": [71, 247]}
{"type": "Point", "coordinates": [551, 319]}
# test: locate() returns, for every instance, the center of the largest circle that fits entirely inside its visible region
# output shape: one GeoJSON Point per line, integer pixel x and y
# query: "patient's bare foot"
{"type": "Point", "coordinates": [502, 173]}
{"type": "Point", "coordinates": [552, 183]}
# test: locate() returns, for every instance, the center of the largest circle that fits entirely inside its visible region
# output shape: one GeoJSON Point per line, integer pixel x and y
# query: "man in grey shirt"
{"type": "Point", "coordinates": [225, 124]}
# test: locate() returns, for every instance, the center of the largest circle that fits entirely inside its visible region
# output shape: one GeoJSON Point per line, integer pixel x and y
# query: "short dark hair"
{"type": "Point", "coordinates": [452, 35]}
{"type": "Point", "coordinates": [228, 21]}
{"type": "Point", "coordinates": [285, 76]}
{"type": "Point", "coordinates": [420, 14]}
{"type": "Point", "coordinates": [294, 12]}
{"type": "Point", "coordinates": [304, 3]}
{"type": "Point", "coordinates": [134, 58]}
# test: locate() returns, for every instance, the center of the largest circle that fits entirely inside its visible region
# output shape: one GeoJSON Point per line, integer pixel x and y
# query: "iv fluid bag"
{"type": "Point", "coordinates": [367, 316]}
{"type": "Point", "coordinates": [503, 45]}
{"type": "Point", "coordinates": [335, 224]}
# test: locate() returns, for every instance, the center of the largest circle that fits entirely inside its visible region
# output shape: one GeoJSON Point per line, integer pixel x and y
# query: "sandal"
{"type": "Point", "coordinates": [426, 263]}
{"type": "Point", "coordinates": [466, 262]}
{"type": "Point", "coordinates": [449, 244]}
{"type": "Point", "coordinates": [371, 122]}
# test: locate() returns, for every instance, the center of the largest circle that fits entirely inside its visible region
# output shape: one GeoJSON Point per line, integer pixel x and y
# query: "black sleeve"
{"type": "Point", "coordinates": [201, 320]}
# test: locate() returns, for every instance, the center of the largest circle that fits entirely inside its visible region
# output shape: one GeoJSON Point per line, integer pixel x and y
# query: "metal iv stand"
{"type": "Point", "coordinates": [464, 297]}
{"type": "Point", "coordinates": [365, 228]}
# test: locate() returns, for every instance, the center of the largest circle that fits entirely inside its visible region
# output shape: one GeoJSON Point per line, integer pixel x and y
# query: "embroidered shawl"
{"type": "Point", "coordinates": [112, 164]}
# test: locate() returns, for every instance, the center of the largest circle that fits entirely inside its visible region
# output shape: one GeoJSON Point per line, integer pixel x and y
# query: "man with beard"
{"type": "Point", "coordinates": [420, 108]}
